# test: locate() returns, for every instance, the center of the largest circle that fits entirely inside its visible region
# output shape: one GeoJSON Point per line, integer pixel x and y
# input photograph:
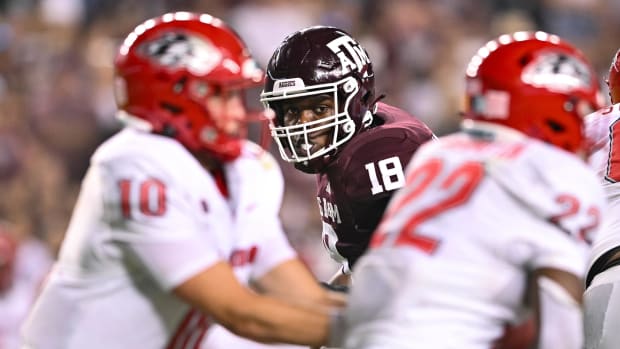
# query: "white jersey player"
{"type": "Point", "coordinates": [603, 279]}
{"type": "Point", "coordinates": [487, 210]}
{"type": "Point", "coordinates": [178, 210]}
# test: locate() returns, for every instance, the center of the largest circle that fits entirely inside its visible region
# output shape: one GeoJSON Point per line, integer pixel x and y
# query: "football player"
{"type": "Point", "coordinates": [602, 294]}
{"type": "Point", "coordinates": [328, 121]}
{"type": "Point", "coordinates": [178, 210]}
{"type": "Point", "coordinates": [493, 219]}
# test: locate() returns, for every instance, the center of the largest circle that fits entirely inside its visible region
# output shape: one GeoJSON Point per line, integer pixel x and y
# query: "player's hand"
{"type": "Point", "coordinates": [335, 299]}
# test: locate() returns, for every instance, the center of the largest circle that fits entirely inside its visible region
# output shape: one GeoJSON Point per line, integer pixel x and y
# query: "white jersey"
{"type": "Point", "coordinates": [149, 217]}
{"type": "Point", "coordinates": [449, 261]}
{"type": "Point", "coordinates": [603, 134]}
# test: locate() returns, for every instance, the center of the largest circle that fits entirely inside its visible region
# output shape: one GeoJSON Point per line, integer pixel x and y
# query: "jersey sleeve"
{"type": "Point", "coordinates": [275, 251]}
{"type": "Point", "coordinates": [564, 196]}
{"type": "Point", "coordinates": [155, 222]}
{"type": "Point", "coordinates": [608, 238]}
{"type": "Point", "coordinates": [263, 219]}
{"type": "Point", "coordinates": [602, 136]}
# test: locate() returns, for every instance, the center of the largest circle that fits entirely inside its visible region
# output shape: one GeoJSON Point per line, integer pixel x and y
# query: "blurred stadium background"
{"type": "Point", "coordinates": [56, 100]}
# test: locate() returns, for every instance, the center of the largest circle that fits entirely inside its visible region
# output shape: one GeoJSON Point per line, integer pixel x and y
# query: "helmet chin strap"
{"type": "Point", "coordinates": [367, 119]}
{"type": "Point", "coordinates": [369, 115]}
{"type": "Point", "coordinates": [374, 103]}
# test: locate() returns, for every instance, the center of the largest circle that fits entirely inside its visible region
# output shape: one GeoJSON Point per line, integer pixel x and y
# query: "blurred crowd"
{"type": "Point", "coordinates": [57, 104]}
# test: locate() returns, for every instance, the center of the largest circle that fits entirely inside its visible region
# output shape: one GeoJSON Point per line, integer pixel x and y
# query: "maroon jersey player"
{"type": "Point", "coordinates": [328, 121]}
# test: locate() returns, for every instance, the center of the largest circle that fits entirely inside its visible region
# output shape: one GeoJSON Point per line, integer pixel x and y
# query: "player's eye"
{"type": "Point", "coordinates": [321, 110]}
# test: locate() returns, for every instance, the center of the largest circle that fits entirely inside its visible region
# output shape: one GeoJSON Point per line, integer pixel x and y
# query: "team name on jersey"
{"type": "Point", "coordinates": [351, 55]}
{"type": "Point", "coordinates": [328, 210]}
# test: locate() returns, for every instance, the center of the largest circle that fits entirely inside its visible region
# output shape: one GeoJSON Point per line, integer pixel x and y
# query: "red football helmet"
{"type": "Point", "coordinates": [8, 247]}
{"type": "Point", "coordinates": [613, 80]}
{"type": "Point", "coordinates": [168, 67]}
{"type": "Point", "coordinates": [314, 61]}
{"type": "Point", "coordinates": [536, 83]}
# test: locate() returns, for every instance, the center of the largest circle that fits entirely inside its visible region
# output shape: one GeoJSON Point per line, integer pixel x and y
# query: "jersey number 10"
{"type": "Point", "coordinates": [150, 197]}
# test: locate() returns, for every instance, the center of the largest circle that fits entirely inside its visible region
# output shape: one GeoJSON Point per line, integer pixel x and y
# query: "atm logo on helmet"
{"type": "Point", "coordinates": [352, 56]}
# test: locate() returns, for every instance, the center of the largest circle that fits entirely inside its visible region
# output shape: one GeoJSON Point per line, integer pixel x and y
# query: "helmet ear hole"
{"type": "Point", "coordinates": [523, 61]}
{"type": "Point", "coordinates": [555, 126]}
{"type": "Point", "coordinates": [173, 109]}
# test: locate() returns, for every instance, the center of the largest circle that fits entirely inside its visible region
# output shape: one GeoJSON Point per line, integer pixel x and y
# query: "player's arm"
{"type": "Point", "coordinates": [217, 292]}
{"type": "Point", "coordinates": [293, 281]}
{"type": "Point", "coordinates": [557, 301]}
{"type": "Point", "coordinates": [181, 257]}
{"type": "Point", "coordinates": [276, 269]}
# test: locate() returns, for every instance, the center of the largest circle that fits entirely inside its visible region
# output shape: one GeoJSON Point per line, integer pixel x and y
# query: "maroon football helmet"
{"type": "Point", "coordinates": [315, 61]}
{"type": "Point", "coordinates": [169, 66]}
{"type": "Point", "coordinates": [613, 80]}
{"type": "Point", "coordinates": [536, 83]}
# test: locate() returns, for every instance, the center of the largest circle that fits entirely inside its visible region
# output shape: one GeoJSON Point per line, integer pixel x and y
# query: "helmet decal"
{"type": "Point", "coordinates": [557, 72]}
{"type": "Point", "coordinates": [352, 56]}
{"type": "Point", "coordinates": [177, 50]}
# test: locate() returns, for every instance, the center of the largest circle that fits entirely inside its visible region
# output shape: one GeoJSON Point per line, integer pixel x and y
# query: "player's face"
{"type": "Point", "coordinates": [227, 108]}
{"type": "Point", "coordinates": [302, 110]}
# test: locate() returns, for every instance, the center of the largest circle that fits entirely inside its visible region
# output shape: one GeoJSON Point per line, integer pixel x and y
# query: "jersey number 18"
{"type": "Point", "coordinates": [392, 175]}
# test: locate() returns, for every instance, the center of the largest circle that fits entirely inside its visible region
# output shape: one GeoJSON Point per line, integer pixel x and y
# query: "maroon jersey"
{"type": "Point", "coordinates": [354, 189]}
